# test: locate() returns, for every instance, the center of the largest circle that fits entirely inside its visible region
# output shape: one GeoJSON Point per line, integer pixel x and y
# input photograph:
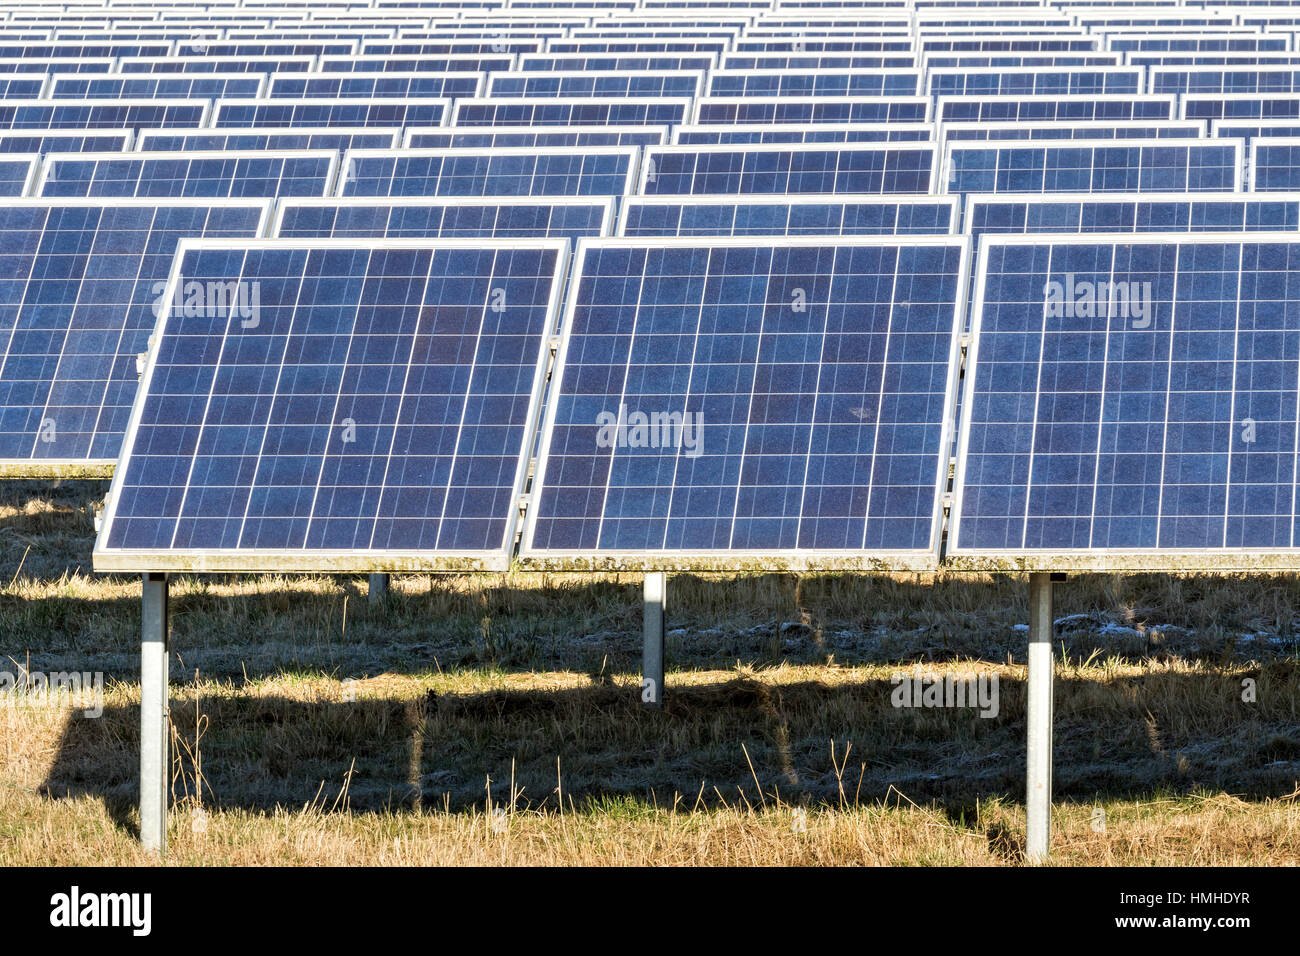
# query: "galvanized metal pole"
{"type": "Point", "coordinates": [652, 661]}
{"type": "Point", "coordinates": [1038, 790]}
{"type": "Point", "coordinates": [155, 736]}
{"type": "Point", "coordinates": [378, 587]}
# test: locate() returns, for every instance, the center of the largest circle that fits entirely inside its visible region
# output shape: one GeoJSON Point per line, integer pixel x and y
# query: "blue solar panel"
{"type": "Point", "coordinates": [56, 65]}
{"type": "Point", "coordinates": [1035, 82]}
{"type": "Point", "coordinates": [156, 86]}
{"type": "Point", "coordinates": [65, 141]}
{"type": "Point", "coordinates": [814, 83]}
{"type": "Point", "coordinates": [208, 64]}
{"type": "Point", "coordinates": [696, 135]}
{"type": "Point", "coordinates": [21, 86]}
{"type": "Point", "coordinates": [1080, 129]}
{"type": "Point", "coordinates": [1145, 421]}
{"type": "Point", "coordinates": [737, 110]}
{"type": "Point", "coordinates": [388, 112]}
{"type": "Point", "coordinates": [337, 138]}
{"type": "Point", "coordinates": [598, 84]}
{"type": "Point", "coordinates": [102, 114]}
{"type": "Point", "coordinates": [1260, 106]}
{"type": "Point", "coordinates": [1248, 130]}
{"type": "Point", "coordinates": [484, 137]}
{"type": "Point", "coordinates": [661, 62]}
{"type": "Point", "coordinates": [1085, 166]}
{"type": "Point", "coordinates": [17, 173]}
{"type": "Point", "coordinates": [820, 61]}
{"type": "Point", "coordinates": [871, 169]}
{"type": "Point", "coordinates": [453, 63]}
{"type": "Point", "coordinates": [576, 111]}
{"type": "Point", "coordinates": [328, 85]}
{"type": "Point", "coordinates": [703, 216]}
{"type": "Point", "coordinates": [254, 174]}
{"type": "Point", "coordinates": [459, 218]}
{"type": "Point", "coordinates": [957, 109]}
{"type": "Point", "coordinates": [82, 280]}
{"type": "Point", "coordinates": [1274, 164]}
{"type": "Point", "coordinates": [816, 374]}
{"type": "Point", "coordinates": [375, 413]}
{"type": "Point", "coordinates": [589, 171]}
{"type": "Point", "coordinates": [1249, 79]}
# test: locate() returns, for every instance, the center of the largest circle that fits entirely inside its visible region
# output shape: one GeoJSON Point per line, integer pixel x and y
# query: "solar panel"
{"type": "Point", "coordinates": [383, 84]}
{"type": "Point", "coordinates": [1077, 129]}
{"type": "Point", "coordinates": [739, 110]}
{"type": "Point", "coordinates": [22, 86]}
{"type": "Point", "coordinates": [83, 280]}
{"type": "Point", "coordinates": [1260, 106]}
{"type": "Point", "coordinates": [447, 63]}
{"type": "Point", "coordinates": [799, 450]}
{"type": "Point", "coordinates": [373, 412]}
{"type": "Point", "coordinates": [970, 109]}
{"type": "Point", "coordinates": [640, 62]}
{"type": "Point", "coordinates": [573, 111]}
{"type": "Point", "coordinates": [696, 135]}
{"type": "Point", "coordinates": [273, 138]}
{"type": "Point", "coordinates": [483, 137]}
{"type": "Point", "coordinates": [864, 169]}
{"type": "Point", "coordinates": [1228, 79]}
{"type": "Point", "coordinates": [65, 141]}
{"type": "Point", "coordinates": [252, 174]}
{"type": "Point", "coordinates": [81, 86]}
{"type": "Point", "coordinates": [596, 83]}
{"type": "Point", "coordinates": [17, 173]}
{"type": "Point", "coordinates": [1274, 163]}
{"type": "Point", "coordinates": [812, 215]}
{"type": "Point", "coordinates": [814, 83]}
{"type": "Point", "coordinates": [1147, 423]}
{"type": "Point", "coordinates": [901, 60]}
{"type": "Point", "coordinates": [210, 64]}
{"type": "Point", "coordinates": [26, 64]}
{"type": "Point", "coordinates": [436, 218]}
{"type": "Point", "coordinates": [1091, 166]}
{"type": "Point", "coordinates": [1035, 82]}
{"type": "Point", "coordinates": [386, 112]}
{"type": "Point", "coordinates": [102, 114]}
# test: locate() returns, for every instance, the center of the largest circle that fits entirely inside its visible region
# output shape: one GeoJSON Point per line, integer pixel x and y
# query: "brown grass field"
{"type": "Point", "coordinates": [495, 719]}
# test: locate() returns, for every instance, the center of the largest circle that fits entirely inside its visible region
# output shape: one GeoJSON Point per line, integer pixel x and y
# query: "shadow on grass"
{"type": "Point", "coordinates": [719, 742]}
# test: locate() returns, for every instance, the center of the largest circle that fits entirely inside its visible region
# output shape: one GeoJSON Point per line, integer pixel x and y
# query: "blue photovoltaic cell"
{"type": "Point", "coordinates": [454, 219]}
{"type": "Point", "coordinates": [814, 83]}
{"type": "Point", "coordinates": [82, 283]}
{"type": "Point", "coordinates": [819, 61]}
{"type": "Point", "coordinates": [522, 172]}
{"type": "Point", "coordinates": [1169, 167]}
{"type": "Point", "coordinates": [811, 109]}
{"type": "Point", "coordinates": [1246, 80]}
{"type": "Point", "coordinates": [1029, 109]}
{"type": "Point", "coordinates": [1159, 416]}
{"type": "Point", "coordinates": [16, 173]}
{"type": "Point", "coordinates": [825, 133]}
{"type": "Point", "coordinates": [1262, 107]}
{"type": "Point", "coordinates": [156, 86]}
{"type": "Point", "coordinates": [1240, 213]}
{"type": "Point", "coordinates": [381, 406]}
{"type": "Point", "coordinates": [101, 114]}
{"type": "Point", "coordinates": [511, 111]}
{"type": "Point", "coordinates": [661, 62]}
{"type": "Point", "coordinates": [334, 112]}
{"type": "Point", "coordinates": [283, 138]}
{"type": "Point", "coordinates": [1034, 82]}
{"type": "Point", "coordinates": [1249, 131]}
{"type": "Point", "coordinates": [1158, 129]}
{"type": "Point", "coordinates": [672, 170]}
{"type": "Point", "coordinates": [647, 217]}
{"type": "Point", "coordinates": [1275, 165]}
{"type": "Point", "coordinates": [517, 136]}
{"type": "Point", "coordinates": [446, 64]}
{"type": "Point", "coordinates": [87, 141]}
{"type": "Point", "coordinates": [299, 85]}
{"type": "Point", "coordinates": [253, 175]}
{"type": "Point", "coordinates": [817, 375]}
{"type": "Point", "coordinates": [204, 64]}
{"type": "Point", "coordinates": [55, 64]}
{"type": "Point", "coordinates": [21, 86]}
{"type": "Point", "coordinates": [598, 85]}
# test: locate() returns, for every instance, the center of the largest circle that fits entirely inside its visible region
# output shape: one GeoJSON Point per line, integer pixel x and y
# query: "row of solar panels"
{"type": "Point", "coordinates": [717, 404]}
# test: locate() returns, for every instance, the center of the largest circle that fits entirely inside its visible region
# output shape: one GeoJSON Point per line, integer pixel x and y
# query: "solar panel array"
{"type": "Point", "coordinates": [636, 283]}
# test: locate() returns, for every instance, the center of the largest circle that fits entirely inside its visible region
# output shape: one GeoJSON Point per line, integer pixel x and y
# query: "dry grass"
{"type": "Point", "coordinates": [494, 719]}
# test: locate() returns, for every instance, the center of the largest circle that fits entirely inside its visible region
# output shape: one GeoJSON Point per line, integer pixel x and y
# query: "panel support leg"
{"type": "Point", "coordinates": [378, 588]}
{"type": "Point", "coordinates": [652, 661]}
{"type": "Point", "coordinates": [1038, 791]}
{"type": "Point", "coordinates": [155, 733]}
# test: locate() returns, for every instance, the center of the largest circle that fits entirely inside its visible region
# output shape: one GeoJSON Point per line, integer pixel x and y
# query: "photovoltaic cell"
{"type": "Point", "coordinates": [590, 171]}
{"type": "Point", "coordinates": [694, 135]}
{"type": "Point", "coordinates": [389, 112]}
{"type": "Point", "coordinates": [751, 110]}
{"type": "Point", "coordinates": [157, 86]}
{"type": "Point", "coordinates": [646, 216]}
{"type": "Point", "coordinates": [628, 83]}
{"type": "Point", "coordinates": [272, 138]}
{"type": "Point", "coordinates": [459, 218]}
{"type": "Point", "coordinates": [102, 114]}
{"type": "Point", "coordinates": [681, 170]}
{"type": "Point", "coordinates": [1151, 425]}
{"type": "Point", "coordinates": [82, 280]}
{"type": "Point", "coordinates": [816, 372]}
{"type": "Point", "coordinates": [254, 174]}
{"type": "Point", "coordinates": [65, 141]}
{"type": "Point", "coordinates": [485, 137]}
{"type": "Point", "coordinates": [344, 84]}
{"type": "Point", "coordinates": [970, 109]}
{"type": "Point", "coordinates": [376, 416]}
{"type": "Point", "coordinates": [575, 111]}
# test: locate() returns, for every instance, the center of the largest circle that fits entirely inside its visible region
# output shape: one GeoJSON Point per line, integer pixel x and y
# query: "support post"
{"type": "Point", "coordinates": [1038, 789]}
{"type": "Point", "coordinates": [155, 733]}
{"type": "Point", "coordinates": [652, 661]}
{"type": "Point", "coordinates": [378, 587]}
